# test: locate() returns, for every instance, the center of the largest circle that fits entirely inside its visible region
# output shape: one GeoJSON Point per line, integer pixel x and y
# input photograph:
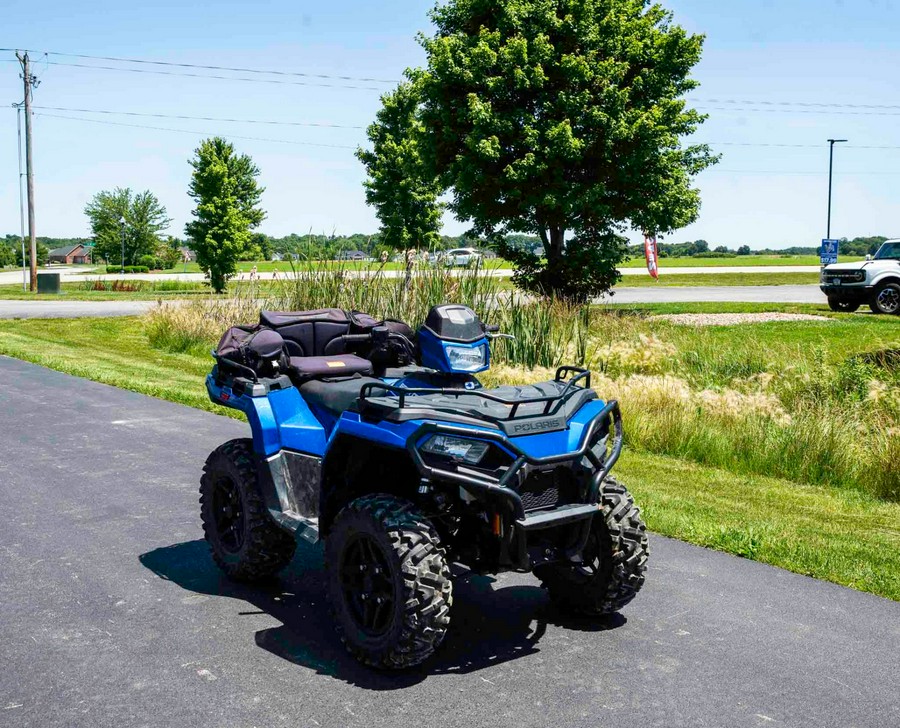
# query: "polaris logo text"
{"type": "Point", "coordinates": [539, 426]}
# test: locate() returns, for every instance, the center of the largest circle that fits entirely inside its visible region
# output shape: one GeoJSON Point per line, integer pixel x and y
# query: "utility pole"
{"type": "Point", "coordinates": [30, 83]}
{"type": "Point", "coordinates": [831, 143]}
{"type": "Point", "coordinates": [21, 198]}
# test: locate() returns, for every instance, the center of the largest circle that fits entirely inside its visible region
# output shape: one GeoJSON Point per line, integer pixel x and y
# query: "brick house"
{"type": "Point", "coordinates": [71, 254]}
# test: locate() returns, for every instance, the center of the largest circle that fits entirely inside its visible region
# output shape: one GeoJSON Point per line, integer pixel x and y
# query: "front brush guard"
{"type": "Point", "coordinates": [489, 489]}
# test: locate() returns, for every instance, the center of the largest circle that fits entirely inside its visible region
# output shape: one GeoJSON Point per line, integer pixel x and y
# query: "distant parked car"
{"type": "Point", "coordinates": [876, 282]}
{"type": "Point", "coordinates": [463, 257]}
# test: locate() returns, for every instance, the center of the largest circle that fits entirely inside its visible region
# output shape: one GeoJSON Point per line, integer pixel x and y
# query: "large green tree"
{"type": "Point", "coordinates": [403, 191]}
{"type": "Point", "coordinates": [225, 189]}
{"type": "Point", "coordinates": [563, 118]}
{"type": "Point", "coordinates": [145, 218]}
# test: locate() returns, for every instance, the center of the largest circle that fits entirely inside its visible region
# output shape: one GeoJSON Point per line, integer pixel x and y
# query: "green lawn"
{"type": "Point", "coordinates": [718, 279]}
{"type": "Point", "coordinates": [842, 535]}
{"type": "Point", "coordinates": [738, 260]}
{"type": "Point", "coordinates": [152, 290]}
{"type": "Point", "coordinates": [264, 266]}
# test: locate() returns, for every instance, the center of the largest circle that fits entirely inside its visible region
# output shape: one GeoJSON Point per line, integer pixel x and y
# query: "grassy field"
{"type": "Point", "coordinates": [151, 290]}
{"type": "Point", "coordinates": [738, 260]}
{"type": "Point", "coordinates": [718, 279]}
{"type": "Point", "coordinates": [809, 524]}
{"type": "Point", "coordinates": [267, 266]}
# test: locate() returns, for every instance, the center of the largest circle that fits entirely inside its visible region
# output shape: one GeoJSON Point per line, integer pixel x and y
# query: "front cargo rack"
{"type": "Point", "coordinates": [573, 387]}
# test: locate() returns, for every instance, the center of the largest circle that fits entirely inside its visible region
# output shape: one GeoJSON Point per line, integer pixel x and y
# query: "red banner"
{"type": "Point", "coordinates": [652, 256]}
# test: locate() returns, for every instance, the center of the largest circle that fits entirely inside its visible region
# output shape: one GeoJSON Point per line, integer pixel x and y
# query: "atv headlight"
{"type": "Point", "coordinates": [457, 448]}
{"type": "Point", "coordinates": [465, 358]}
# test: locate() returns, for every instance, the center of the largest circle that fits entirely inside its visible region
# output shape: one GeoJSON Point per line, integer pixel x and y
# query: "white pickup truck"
{"type": "Point", "coordinates": [876, 282]}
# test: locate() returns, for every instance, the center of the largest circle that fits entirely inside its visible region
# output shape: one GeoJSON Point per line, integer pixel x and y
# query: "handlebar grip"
{"type": "Point", "coordinates": [491, 329]}
{"type": "Point", "coordinates": [357, 338]}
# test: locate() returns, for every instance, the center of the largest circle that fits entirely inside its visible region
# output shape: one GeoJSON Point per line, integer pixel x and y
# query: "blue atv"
{"type": "Point", "coordinates": [381, 442]}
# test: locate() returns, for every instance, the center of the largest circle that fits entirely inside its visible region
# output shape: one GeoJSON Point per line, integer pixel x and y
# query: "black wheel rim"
{"type": "Point", "coordinates": [228, 514]}
{"type": "Point", "coordinates": [367, 585]}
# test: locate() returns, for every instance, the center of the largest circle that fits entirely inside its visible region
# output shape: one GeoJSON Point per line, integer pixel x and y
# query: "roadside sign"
{"type": "Point", "coordinates": [828, 253]}
{"type": "Point", "coordinates": [652, 255]}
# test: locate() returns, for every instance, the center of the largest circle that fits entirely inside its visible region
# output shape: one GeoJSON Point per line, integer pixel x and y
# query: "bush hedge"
{"type": "Point", "coordinates": [127, 269]}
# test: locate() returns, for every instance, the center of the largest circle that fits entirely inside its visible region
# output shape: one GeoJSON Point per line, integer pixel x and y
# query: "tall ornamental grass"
{"type": "Point", "coordinates": [735, 404]}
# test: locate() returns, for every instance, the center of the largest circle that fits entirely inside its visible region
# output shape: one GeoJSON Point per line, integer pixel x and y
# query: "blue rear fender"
{"type": "Point", "coordinates": [281, 419]}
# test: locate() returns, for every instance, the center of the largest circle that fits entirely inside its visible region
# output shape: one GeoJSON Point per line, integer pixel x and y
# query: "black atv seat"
{"type": "Point", "coordinates": [334, 395]}
{"type": "Point", "coordinates": [310, 333]}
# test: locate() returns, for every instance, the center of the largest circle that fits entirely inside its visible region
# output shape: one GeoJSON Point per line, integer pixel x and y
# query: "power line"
{"type": "Point", "coordinates": [796, 146]}
{"type": "Point", "coordinates": [215, 77]}
{"type": "Point", "coordinates": [794, 103]}
{"type": "Point", "coordinates": [192, 131]}
{"type": "Point", "coordinates": [260, 71]}
{"type": "Point", "coordinates": [783, 172]}
{"type": "Point", "coordinates": [323, 125]}
{"type": "Point", "coordinates": [345, 146]}
{"type": "Point", "coordinates": [796, 111]}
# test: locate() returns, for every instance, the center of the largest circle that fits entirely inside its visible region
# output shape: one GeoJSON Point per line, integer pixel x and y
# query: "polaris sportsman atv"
{"type": "Point", "coordinates": [382, 443]}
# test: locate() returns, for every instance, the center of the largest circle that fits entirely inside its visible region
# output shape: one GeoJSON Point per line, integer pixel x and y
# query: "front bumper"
{"type": "Point", "coordinates": [503, 492]}
{"type": "Point", "coordinates": [847, 292]}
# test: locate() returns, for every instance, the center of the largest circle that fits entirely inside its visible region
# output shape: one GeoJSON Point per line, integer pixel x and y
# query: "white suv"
{"type": "Point", "coordinates": [876, 282]}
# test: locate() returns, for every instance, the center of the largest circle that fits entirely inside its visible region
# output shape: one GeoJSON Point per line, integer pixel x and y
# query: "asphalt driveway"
{"type": "Point", "coordinates": [112, 613]}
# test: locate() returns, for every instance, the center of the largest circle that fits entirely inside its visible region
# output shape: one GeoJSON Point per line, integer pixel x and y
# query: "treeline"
{"type": "Point", "coordinates": [332, 247]}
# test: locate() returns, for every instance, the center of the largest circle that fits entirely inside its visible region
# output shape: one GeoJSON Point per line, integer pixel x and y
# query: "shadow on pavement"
{"type": "Point", "coordinates": [488, 626]}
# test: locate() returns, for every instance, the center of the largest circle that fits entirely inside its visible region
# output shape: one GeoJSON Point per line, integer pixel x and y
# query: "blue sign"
{"type": "Point", "coordinates": [828, 253]}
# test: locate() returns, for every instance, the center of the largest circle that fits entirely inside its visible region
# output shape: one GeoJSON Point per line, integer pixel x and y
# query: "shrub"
{"type": "Point", "coordinates": [128, 269]}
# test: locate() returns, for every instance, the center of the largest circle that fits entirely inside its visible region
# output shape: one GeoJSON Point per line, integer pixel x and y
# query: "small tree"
{"type": "Point", "coordinates": [399, 186]}
{"type": "Point", "coordinates": [224, 187]}
{"type": "Point", "coordinates": [145, 218]}
{"type": "Point", "coordinates": [563, 116]}
{"type": "Point", "coordinates": [42, 251]}
{"type": "Point", "coordinates": [744, 250]}
{"type": "Point", "coordinates": [7, 255]}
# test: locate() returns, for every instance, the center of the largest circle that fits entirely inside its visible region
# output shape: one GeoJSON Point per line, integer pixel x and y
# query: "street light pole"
{"type": "Point", "coordinates": [122, 230]}
{"type": "Point", "coordinates": [831, 143]}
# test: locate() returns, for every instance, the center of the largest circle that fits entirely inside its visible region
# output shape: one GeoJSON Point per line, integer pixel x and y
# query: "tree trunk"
{"type": "Point", "coordinates": [553, 280]}
{"type": "Point", "coordinates": [557, 238]}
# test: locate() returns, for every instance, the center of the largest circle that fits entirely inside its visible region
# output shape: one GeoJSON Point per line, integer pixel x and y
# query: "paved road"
{"type": "Point", "coordinates": [762, 294]}
{"type": "Point", "coordinates": [114, 615]}
{"type": "Point", "coordinates": [71, 309]}
{"type": "Point", "coordinates": [79, 274]}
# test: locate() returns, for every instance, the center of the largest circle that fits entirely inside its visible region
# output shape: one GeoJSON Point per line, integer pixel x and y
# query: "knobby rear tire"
{"type": "Point", "coordinates": [264, 547]}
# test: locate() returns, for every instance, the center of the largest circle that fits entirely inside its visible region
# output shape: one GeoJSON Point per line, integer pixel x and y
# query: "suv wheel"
{"type": "Point", "coordinates": [841, 305]}
{"type": "Point", "coordinates": [388, 582]}
{"type": "Point", "coordinates": [886, 299]}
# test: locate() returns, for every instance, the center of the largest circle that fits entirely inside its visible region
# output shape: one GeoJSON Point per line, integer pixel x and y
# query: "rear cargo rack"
{"type": "Point", "coordinates": [368, 391]}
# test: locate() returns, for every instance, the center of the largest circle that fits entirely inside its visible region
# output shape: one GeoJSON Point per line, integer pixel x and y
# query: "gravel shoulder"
{"type": "Point", "coordinates": [730, 319]}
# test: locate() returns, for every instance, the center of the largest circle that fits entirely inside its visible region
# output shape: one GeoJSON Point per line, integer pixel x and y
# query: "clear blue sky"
{"type": "Point", "coordinates": [811, 51]}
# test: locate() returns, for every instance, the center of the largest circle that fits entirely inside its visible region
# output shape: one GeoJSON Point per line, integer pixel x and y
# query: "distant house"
{"type": "Point", "coordinates": [353, 255]}
{"type": "Point", "coordinates": [187, 255]}
{"type": "Point", "coordinates": [71, 254]}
